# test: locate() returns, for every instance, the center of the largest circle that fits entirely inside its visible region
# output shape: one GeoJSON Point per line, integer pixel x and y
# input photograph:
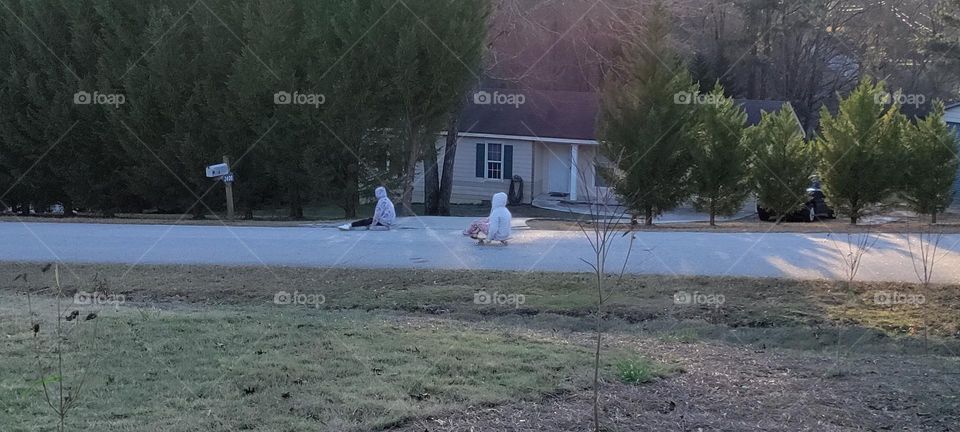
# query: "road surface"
{"type": "Point", "coordinates": [437, 243]}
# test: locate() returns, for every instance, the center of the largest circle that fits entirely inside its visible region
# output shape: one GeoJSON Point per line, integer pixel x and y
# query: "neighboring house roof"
{"type": "Point", "coordinates": [951, 105]}
{"type": "Point", "coordinates": [952, 113]}
{"type": "Point", "coordinates": [550, 115]}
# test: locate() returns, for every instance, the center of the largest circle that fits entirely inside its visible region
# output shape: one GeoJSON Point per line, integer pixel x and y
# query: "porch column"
{"type": "Point", "coordinates": [574, 172]}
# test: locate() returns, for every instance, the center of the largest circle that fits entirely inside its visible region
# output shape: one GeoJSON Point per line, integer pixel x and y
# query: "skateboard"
{"type": "Point", "coordinates": [481, 239]}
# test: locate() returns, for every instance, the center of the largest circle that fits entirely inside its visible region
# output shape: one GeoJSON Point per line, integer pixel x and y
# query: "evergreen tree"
{"type": "Point", "coordinates": [781, 165]}
{"type": "Point", "coordinates": [434, 49]}
{"type": "Point", "coordinates": [173, 124]}
{"type": "Point", "coordinates": [646, 124]}
{"type": "Point", "coordinates": [719, 177]}
{"type": "Point", "coordinates": [930, 167]}
{"type": "Point", "coordinates": [356, 151]}
{"type": "Point", "coordinates": [860, 151]}
{"type": "Point", "coordinates": [44, 135]}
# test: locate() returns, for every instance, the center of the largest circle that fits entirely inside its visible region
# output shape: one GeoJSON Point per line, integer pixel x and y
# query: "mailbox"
{"type": "Point", "coordinates": [218, 170]}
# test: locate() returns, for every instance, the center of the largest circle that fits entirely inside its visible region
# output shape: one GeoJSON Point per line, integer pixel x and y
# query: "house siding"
{"type": "Point", "coordinates": [952, 117]}
{"type": "Point", "coordinates": [956, 184]}
{"type": "Point", "coordinates": [467, 187]}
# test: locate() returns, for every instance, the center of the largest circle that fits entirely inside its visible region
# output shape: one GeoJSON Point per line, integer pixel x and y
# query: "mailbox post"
{"type": "Point", "coordinates": [222, 172]}
{"type": "Point", "coordinates": [228, 182]}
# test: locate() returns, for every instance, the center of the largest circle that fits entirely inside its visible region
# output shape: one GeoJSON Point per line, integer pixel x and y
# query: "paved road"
{"type": "Point", "coordinates": [805, 256]}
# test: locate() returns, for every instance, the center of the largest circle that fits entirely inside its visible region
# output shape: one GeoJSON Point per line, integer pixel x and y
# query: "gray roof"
{"type": "Point", "coordinates": [555, 114]}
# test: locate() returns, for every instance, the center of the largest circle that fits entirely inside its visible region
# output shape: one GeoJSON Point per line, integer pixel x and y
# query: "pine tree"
{"type": "Point", "coordinates": [781, 164]}
{"type": "Point", "coordinates": [173, 124]}
{"type": "Point", "coordinates": [860, 151]}
{"type": "Point", "coordinates": [719, 176]}
{"type": "Point", "coordinates": [435, 50]}
{"type": "Point", "coordinates": [356, 151]}
{"type": "Point", "coordinates": [646, 124]}
{"type": "Point", "coordinates": [44, 135]}
{"type": "Point", "coordinates": [931, 164]}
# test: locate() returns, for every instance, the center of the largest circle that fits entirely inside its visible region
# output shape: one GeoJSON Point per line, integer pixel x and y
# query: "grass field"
{"type": "Point", "coordinates": [210, 348]}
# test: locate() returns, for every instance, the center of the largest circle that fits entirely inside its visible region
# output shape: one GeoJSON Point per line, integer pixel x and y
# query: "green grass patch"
{"type": "Point", "coordinates": [639, 371]}
{"type": "Point", "coordinates": [272, 368]}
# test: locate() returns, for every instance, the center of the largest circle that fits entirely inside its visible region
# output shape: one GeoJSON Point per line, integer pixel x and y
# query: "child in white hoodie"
{"type": "Point", "coordinates": [383, 216]}
{"type": "Point", "coordinates": [500, 217]}
{"type": "Point", "coordinates": [495, 227]}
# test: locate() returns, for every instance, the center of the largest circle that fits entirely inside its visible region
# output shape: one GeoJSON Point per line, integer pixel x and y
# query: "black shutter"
{"type": "Point", "coordinates": [481, 160]}
{"type": "Point", "coordinates": [507, 162]}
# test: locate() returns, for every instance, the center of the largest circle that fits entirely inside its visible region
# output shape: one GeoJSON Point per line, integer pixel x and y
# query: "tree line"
{"type": "Point", "coordinates": [118, 106]}
{"type": "Point", "coordinates": [666, 150]}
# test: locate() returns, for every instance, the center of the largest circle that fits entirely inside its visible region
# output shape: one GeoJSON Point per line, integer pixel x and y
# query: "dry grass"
{"type": "Point", "coordinates": [748, 303]}
{"type": "Point", "coordinates": [760, 361]}
{"type": "Point", "coordinates": [277, 368]}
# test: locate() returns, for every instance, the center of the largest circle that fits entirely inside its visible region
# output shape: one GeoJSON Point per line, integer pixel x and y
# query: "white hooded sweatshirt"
{"type": "Point", "coordinates": [500, 217]}
{"type": "Point", "coordinates": [384, 214]}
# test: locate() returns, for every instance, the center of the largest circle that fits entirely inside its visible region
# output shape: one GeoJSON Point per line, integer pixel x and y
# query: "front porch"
{"type": "Point", "coordinates": [566, 171]}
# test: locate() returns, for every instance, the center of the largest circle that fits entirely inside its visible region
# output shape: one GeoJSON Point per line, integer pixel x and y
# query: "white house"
{"type": "Point", "coordinates": [547, 138]}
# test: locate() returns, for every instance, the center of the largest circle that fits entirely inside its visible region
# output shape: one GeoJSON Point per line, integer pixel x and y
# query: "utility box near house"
{"type": "Point", "coordinates": [218, 170]}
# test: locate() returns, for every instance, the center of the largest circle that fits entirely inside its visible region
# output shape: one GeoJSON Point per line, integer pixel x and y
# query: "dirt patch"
{"type": "Point", "coordinates": [725, 387]}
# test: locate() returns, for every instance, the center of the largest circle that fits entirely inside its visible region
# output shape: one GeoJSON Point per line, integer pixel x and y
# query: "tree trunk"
{"type": "Point", "coordinates": [449, 158]}
{"type": "Point", "coordinates": [409, 172]}
{"type": "Point", "coordinates": [713, 213]}
{"type": "Point", "coordinates": [855, 210]}
{"type": "Point", "coordinates": [296, 205]}
{"type": "Point", "coordinates": [599, 330]}
{"type": "Point", "coordinates": [198, 210]}
{"type": "Point", "coordinates": [351, 197]}
{"type": "Point", "coordinates": [933, 217]}
{"type": "Point", "coordinates": [648, 216]}
{"type": "Point", "coordinates": [431, 182]}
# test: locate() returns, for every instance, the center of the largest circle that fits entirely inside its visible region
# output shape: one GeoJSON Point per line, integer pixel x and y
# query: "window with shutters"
{"type": "Point", "coordinates": [495, 161]}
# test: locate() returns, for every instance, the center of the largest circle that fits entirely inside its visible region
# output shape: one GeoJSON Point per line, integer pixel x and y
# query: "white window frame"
{"type": "Point", "coordinates": [488, 161]}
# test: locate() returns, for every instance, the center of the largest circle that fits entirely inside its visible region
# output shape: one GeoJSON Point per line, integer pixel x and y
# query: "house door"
{"type": "Point", "coordinates": [558, 169]}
